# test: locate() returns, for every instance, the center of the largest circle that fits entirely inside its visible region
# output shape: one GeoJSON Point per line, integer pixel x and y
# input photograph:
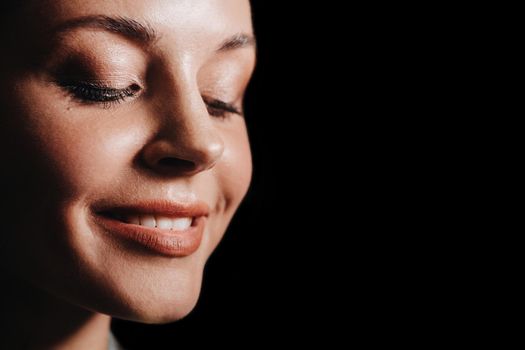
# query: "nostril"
{"type": "Point", "coordinates": [176, 163]}
{"type": "Point", "coordinates": [187, 157]}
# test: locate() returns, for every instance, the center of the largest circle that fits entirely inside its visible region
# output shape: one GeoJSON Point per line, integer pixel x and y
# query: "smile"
{"type": "Point", "coordinates": [169, 229]}
{"type": "Point", "coordinates": [161, 222]}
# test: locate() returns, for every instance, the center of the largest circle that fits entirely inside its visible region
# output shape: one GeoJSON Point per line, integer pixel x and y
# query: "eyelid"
{"type": "Point", "coordinates": [220, 104]}
{"type": "Point", "coordinates": [112, 82]}
{"type": "Point", "coordinates": [89, 92]}
{"type": "Point", "coordinates": [97, 91]}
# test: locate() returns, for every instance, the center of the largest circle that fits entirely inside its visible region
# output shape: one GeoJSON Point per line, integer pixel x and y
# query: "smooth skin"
{"type": "Point", "coordinates": [63, 153]}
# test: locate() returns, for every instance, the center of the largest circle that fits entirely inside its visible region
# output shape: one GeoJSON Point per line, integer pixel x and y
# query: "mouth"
{"type": "Point", "coordinates": [165, 228]}
{"type": "Point", "coordinates": [153, 221]}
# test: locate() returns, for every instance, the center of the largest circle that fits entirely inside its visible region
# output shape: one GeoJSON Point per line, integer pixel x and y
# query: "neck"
{"type": "Point", "coordinates": [33, 319]}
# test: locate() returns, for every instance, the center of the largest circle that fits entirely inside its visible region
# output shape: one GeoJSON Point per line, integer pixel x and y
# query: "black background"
{"type": "Point", "coordinates": [270, 279]}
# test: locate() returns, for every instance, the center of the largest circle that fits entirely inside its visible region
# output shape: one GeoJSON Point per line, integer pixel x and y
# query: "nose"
{"type": "Point", "coordinates": [187, 141]}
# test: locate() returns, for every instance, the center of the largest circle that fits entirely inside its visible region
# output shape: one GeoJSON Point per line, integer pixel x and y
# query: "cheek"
{"type": "Point", "coordinates": [91, 158]}
{"type": "Point", "coordinates": [231, 179]}
{"type": "Point", "coordinates": [65, 149]}
{"type": "Point", "coordinates": [235, 168]}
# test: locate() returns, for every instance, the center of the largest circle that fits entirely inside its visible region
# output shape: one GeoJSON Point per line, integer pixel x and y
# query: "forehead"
{"type": "Point", "coordinates": [193, 21]}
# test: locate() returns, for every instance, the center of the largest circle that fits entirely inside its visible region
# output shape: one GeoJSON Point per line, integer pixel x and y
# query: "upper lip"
{"type": "Point", "coordinates": [164, 208]}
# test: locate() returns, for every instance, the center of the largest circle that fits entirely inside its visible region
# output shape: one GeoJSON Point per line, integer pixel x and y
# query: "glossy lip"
{"type": "Point", "coordinates": [170, 243]}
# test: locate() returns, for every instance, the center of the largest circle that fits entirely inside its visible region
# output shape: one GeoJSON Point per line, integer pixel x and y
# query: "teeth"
{"type": "Point", "coordinates": [181, 223]}
{"type": "Point", "coordinates": [148, 221]}
{"type": "Point", "coordinates": [165, 223]}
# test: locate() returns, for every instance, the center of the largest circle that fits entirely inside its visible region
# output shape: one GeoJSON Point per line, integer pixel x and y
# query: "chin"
{"type": "Point", "coordinates": [147, 309]}
{"type": "Point", "coordinates": [165, 313]}
{"type": "Point", "coordinates": [156, 300]}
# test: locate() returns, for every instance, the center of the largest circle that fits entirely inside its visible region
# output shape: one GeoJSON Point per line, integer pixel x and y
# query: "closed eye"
{"type": "Point", "coordinates": [94, 92]}
{"type": "Point", "coordinates": [220, 109]}
{"type": "Point", "coordinates": [89, 92]}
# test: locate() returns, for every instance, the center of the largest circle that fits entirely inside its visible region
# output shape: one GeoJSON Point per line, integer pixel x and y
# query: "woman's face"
{"type": "Point", "coordinates": [124, 148]}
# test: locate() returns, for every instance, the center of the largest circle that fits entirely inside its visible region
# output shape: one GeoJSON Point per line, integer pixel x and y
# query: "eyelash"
{"type": "Point", "coordinates": [220, 109]}
{"type": "Point", "coordinates": [100, 94]}
{"type": "Point", "coordinates": [107, 96]}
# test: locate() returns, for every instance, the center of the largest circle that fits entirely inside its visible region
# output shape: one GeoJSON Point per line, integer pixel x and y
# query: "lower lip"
{"type": "Point", "coordinates": [158, 241]}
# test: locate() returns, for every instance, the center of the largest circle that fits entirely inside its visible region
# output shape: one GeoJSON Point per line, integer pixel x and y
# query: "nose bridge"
{"type": "Point", "coordinates": [188, 140]}
{"type": "Point", "coordinates": [183, 112]}
{"type": "Point", "coordinates": [190, 129]}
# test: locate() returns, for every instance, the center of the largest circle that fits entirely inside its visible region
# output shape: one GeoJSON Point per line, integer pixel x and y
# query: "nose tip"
{"type": "Point", "coordinates": [168, 158]}
{"type": "Point", "coordinates": [211, 155]}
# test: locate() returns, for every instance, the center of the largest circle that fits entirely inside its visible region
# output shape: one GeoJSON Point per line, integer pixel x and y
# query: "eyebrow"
{"type": "Point", "coordinates": [144, 33]}
{"type": "Point", "coordinates": [127, 27]}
